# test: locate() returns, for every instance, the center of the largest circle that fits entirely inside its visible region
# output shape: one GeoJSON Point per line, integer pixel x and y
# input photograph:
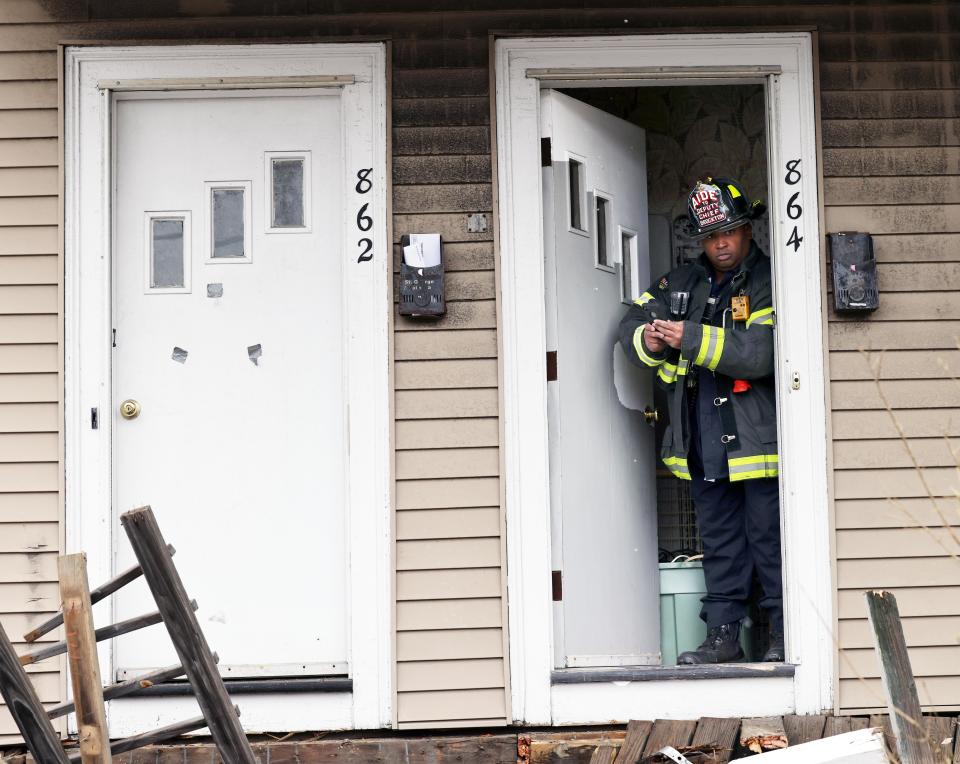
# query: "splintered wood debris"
{"type": "Point", "coordinates": [764, 734]}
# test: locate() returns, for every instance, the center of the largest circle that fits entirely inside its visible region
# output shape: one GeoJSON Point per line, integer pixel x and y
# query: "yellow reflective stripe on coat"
{"type": "Point", "coordinates": [711, 347]}
{"type": "Point", "coordinates": [643, 299]}
{"type": "Point", "coordinates": [764, 317]}
{"type": "Point", "coordinates": [678, 466]}
{"type": "Point", "coordinates": [668, 372]}
{"type": "Point", "coordinates": [748, 467]}
{"type": "Point", "coordinates": [641, 350]}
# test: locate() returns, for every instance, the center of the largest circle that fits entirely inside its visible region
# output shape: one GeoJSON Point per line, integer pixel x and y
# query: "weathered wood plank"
{"type": "Point", "coordinates": [837, 725]}
{"type": "Point", "coordinates": [468, 255]}
{"type": "Point", "coordinates": [23, 478]}
{"type": "Point", "coordinates": [902, 513]}
{"type": "Point", "coordinates": [906, 718]}
{"type": "Point", "coordinates": [917, 248]}
{"type": "Point", "coordinates": [452, 226]}
{"type": "Point", "coordinates": [939, 731]}
{"type": "Point", "coordinates": [181, 622]}
{"type": "Point", "coordinates": [29, 417]}
{"type": "Point", "coordinates": [916, 423]}
{"type": "Point", "coordinates": [604, 754]}
{"type": "Point", "coordinates": [915, 602]}
{"type": "Point", "coordinates": [894, 364]}
{"type": "Point", "coordinates": [889, 46]}
{"type": "Point", "coordinates": [36, 210]}
{"type": "Point", "coordinates": [638, 731]}
{"type": "Point", "coordinates": [439, 705]}
{"type": "Point", "coordinates": [435, 141]}
{"type": "Point", "coordinates": [943, 218]}
{"type": "Point", "coordinates": [410, 170]}
{"type": "Point", "coordinates": [28, 181]}
{"type": "Point", "coordinates": [418, 112]}
{"type": "Point", "coordinates": [29, 388]}
{"type": "Point", "coordinates": [890, 75]}
{"type": "Point", "coordinates": [467, 314]}
{"type": "Point", "coordinates": [925, 661]}
{"type": "Point", "coordinates": [865, 695]}
{"type": "Point", "coordinates": [28, 537]}
{"type": "Point", "coordinates": [893, 191]}
{"type": "Point", "coordinates": [891, 132]}
{"type": "Point", "coordinates": [881, 104]}
{"type": "Point", "coordinates": [28, 240]}
{"type": "Point", "coordinates": [442, 198]}
{"type": "Point", "coordinates": [28, 123]}
{"type": "Point", "coordinates": [28, 66]}
{"type": "Point", "coordinates": [417, 53]}
{"type": "Point", "coordinates": [907, 306]}
{"type": "Point", "coordinates": [439, 83]}
{"type": "Point", "coordinates": [94, 737]}
{"type": "Point", "coordinates": [571, 747]}
{"type": "Point", "coordinates": [29, 358]}
{"type": "Point", "coordinates": [718, 732]}
{"type": "Point", "coordinates": [803, 729]}
{"type": "Point", "coordinates": [669, 732]}
{"type": "Point", "coordinates": [904, 162]}
{"type": "Point", "coordinates": [24, 704]}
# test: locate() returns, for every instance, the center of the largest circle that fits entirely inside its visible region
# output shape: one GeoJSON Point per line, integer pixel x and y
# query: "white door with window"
{"type": "Point", "coordinates": [228, 358]}
{"type": "Point", "coordinates": [228, 336]}
{"type": "Point", "coordinates": [602, 461]}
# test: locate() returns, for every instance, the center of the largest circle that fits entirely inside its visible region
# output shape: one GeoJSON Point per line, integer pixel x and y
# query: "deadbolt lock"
{"type": "Point", "coordinates": [129, 409]}
{"type": "Point", "coordinates": [651, 415]}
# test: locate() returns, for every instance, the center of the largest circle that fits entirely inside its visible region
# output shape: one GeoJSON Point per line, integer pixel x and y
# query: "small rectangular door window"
{"type": "Point", "coordinates": [288, 197]}
{"type": "Point", "coordinates": [628, 266]}
{"type": "Point", "coordinates": [228, 221]}
{"type": "Point", "coordinates": [602, 213]}
{"type": "Point", "coordinates": [576, 186]}
{"type": "Point", "coordinates": [167, 249]}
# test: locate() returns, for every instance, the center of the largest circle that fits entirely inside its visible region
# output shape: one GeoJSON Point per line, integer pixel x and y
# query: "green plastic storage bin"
{"type": "Point", "coordinates": [681, 587]}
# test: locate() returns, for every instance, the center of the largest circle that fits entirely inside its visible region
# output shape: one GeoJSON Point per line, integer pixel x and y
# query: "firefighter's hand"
{"type": "Point", "coordinates": [653, 340]}
{"type": "Point", "coordinates": [671, 332]}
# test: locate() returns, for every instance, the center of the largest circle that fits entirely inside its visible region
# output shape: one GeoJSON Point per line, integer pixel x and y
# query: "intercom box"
{"type": "Point", "coordinates": [422, 290]}
{"type": "Point", "coordinates": [854, 272]}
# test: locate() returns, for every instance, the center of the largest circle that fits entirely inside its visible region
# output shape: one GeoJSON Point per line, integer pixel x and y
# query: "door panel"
{"type": "Point", "coordinates": [603, 491]}
{"type": "Point", "coordinates": [234, 353]}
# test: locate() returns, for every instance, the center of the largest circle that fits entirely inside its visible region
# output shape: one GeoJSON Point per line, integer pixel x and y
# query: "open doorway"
{"type": "Point", "coordinates": [622, 161]}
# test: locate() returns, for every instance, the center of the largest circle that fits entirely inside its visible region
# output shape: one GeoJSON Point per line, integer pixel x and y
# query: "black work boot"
{"type": "Point", "coordinates": [722, 645]}
{"type": "Point", "coordinates": [776, 653]}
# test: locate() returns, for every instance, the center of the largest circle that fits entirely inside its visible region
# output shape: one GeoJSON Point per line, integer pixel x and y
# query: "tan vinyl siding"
{"type": "Point", "coordinates": [891, 167]}
{"type": "Point", "coordinates": [30, 373]}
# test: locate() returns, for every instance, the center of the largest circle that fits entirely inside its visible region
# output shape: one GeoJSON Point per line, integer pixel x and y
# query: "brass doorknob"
{"type": "Point", "coordinates": [651, 415]}
{"type": "Point", "coordinates": [129, 409]}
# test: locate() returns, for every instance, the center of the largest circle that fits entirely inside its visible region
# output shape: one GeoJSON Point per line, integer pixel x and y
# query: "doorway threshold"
{"type": "Point", "coordinates": [661, 673]}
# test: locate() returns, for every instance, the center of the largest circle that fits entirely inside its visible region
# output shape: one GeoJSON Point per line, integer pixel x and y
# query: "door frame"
{"type": "Point", "coordinates": [358, 70]}
{"type": "Point", "coordinates": [784, 63]}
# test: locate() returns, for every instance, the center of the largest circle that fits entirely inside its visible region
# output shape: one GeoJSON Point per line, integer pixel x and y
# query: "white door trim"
{"type": "Point", "coordinates": [359, 71]}
{"type": "Point", "coordinates": [800, 350]}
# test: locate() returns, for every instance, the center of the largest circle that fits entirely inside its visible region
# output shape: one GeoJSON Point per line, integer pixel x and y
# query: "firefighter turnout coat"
{"type": "Point", "coordinates": [738, 352]}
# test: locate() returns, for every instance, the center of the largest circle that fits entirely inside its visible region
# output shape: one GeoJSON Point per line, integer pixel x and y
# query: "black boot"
{"type": "Point", "coordinates": [722, 645]}
{"type": "Point", "coordinates": [776, 653]}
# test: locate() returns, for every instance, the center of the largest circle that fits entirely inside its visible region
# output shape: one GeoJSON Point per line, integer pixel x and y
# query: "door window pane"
{"type": "Point", "coordinates": [227, 214]}
{"type": "Point", "coordinates": [166, 253]}
{"type": "Point", "coordinates": [576, 194]}
{"type": "Point", "coordinates": [628, 255]}
{"type": "Point", "coordinates": [603, 221]}
{"type": "Point", "coordinates": [287, 182]}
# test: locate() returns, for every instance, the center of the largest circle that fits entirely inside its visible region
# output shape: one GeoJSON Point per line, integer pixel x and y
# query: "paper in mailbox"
{"type": "Point", "coordinates": [423, 250]}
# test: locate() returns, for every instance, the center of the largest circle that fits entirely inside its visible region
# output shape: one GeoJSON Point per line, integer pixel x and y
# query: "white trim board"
{"type": "Point", "coordinates": [784, 63]}
{"type": "Point", "coordinates": [89, 74]}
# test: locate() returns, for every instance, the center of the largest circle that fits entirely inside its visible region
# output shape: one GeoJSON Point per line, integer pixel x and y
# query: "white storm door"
{"type": "Point", "coordinates": [229, 333]}
{"type": "Point", "coordinates": [602, 484]}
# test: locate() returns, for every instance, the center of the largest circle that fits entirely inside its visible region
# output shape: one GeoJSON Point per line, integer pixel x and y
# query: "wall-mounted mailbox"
{"type": "Point", "coordinates": [421, 276]}
{"type": "Point", "coordinates": [854, 272]}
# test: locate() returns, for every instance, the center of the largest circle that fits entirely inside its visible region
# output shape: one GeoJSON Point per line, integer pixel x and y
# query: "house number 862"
{"type": "Point", "coordinates": [364, 221]}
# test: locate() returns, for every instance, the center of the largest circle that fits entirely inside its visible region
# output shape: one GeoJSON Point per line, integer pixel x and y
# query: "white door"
{"type": "Point", "coordinates": [227, 283]}
{"type": "Point", "coordinates": [603, 490]}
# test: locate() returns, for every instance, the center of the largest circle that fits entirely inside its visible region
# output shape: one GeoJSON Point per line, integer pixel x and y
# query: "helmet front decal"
{"type": "Point", "coordinates": [706, 202]}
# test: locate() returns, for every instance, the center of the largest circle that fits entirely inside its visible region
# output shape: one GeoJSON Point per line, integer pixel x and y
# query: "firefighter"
{"type": "Point", "coordinates": [706, 329]}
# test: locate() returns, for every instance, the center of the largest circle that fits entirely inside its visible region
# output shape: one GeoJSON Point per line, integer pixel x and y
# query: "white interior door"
{"type": "Point", "coordinates": [228, 324]}
{"type": "Point", "coordinates": [603, 491]}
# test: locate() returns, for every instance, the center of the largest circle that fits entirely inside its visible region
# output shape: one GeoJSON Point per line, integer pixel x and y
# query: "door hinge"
{"type": "Point", "coordinates": [94, 419]}
{"type": "Point", "coordinates": [551, 366]}
{"type": "Point", "coordinates": [546, 152]}
{"type": "Point", "coordinates": [557, 585]}
{"type": "Point", "coordinates": [114, 337]}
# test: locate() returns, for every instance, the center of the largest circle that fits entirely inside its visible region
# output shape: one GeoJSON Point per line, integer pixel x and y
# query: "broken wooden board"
{"type": "Point", "coordinates": [940, 734]}
{"type": "Point", "coordinates": [803, 729]}
{"type": "Point", "coordinates": [603, 754]}
{"type": "Point", "coordinates": [638, 731]}
{"type": "Point", "coordinates": [675, 732]}
{"type": "Point", "coordinates": [721, 733]}
{"type": "Point", "coordinates": [763, 734]}
{"type": "Point", "coordinates": [837, 725]}
{"type": "Point", "coordinates": [571, 747]}
{"type": "Point", "coordinates": [858, 747]}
